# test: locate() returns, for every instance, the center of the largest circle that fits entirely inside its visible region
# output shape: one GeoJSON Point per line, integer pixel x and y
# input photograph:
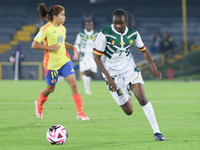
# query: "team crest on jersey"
{"type": "Point", "coordinates": [131, 42]}
{"type": "Point", "coordinates": [53, 81]}
{"type": "Point", "coordinates": [119, 92]}
{"type": "Point", "coordinates": [112, 42]}
{"type": "Point", "coordinates": [63, 30]}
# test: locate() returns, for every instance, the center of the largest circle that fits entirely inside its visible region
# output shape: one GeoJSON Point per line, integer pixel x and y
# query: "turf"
{"type": "Point", "coordinates": [176, 105]}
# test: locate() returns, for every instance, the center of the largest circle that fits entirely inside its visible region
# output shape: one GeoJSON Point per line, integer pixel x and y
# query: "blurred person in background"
{"type": "Point", "coordinates": [12, 59]}
{"type": "Point", "coordinates": [166, 43]}
{"type": "Point", "coordinates": [119, 69]}
{"type": "Point", "coordinates": [56, 61]}
{"type": "Point", "coordinates": [155, 42]}
{"type": "Point", "coordinates": [87, 16]}
{"type": "Point", "coordinates": [84, 44]}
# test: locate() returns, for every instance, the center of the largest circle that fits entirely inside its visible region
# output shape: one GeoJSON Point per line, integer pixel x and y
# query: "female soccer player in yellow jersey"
{"type": "Point", "coordinates": [56, 61]}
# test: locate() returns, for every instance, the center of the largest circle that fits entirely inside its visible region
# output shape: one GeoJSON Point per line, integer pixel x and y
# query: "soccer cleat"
{"type": "Point", "coordinates": [82, 116]}
{"type": "Point", "coordinates": [159, 137]}
{"type": "Point", "coordinates": [38, 110]}
{"type": "Point", "coordinates": [88, 92]}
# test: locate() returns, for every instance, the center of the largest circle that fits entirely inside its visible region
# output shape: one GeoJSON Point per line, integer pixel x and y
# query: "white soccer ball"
{"type": "Point", "coordinates": [57, 134]}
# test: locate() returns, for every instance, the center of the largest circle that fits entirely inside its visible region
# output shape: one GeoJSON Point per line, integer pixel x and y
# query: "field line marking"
{"type": "Point", "coordinates": [31, 103]}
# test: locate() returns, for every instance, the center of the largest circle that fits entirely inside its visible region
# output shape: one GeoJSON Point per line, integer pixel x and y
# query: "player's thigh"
{"type": "Point", "coordinates": [71, 79]}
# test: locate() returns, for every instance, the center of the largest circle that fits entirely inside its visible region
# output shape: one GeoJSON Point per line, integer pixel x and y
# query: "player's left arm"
{"type": "Point", "coordinates": [153, 69]}
{"type": "Point", "coordinates": [140, 45]}
{"type": "Point", "coordinates": [76, 53]}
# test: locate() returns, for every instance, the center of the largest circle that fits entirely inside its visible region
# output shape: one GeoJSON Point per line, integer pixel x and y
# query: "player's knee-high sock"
{"type": "Point", "coordinates": [42, 99]}
{"type": "Point", "coordinates": [78, 102]}
{"type": "Point", "coordinates": [149, 112]}
{"type": "Point", "coordinates": [86, 81]}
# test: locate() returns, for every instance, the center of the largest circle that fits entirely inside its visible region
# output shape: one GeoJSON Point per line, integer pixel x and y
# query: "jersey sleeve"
{"type": "Point", "coordinates": [78, 42]}
{"type": "Point", "coordinates": [78, 39]}
{"type": "Point", "coordinates": [100, 44]}
{"type": "Point", "coordinates": [41, 35]}
{"type": "Point", "coordinates": [138, 43]}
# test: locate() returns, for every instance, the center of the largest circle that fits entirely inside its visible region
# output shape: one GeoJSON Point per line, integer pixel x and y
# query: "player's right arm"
{"type": "Point", "coordinates": [41, 36]}
{"type": "Point", "coordinates": [99, 47]}
{"type": "Point", "coordinates": [39, 46]}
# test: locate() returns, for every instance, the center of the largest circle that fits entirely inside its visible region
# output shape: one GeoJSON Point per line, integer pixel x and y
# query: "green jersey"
{"type": "Point", "coordinates": [115, 47]}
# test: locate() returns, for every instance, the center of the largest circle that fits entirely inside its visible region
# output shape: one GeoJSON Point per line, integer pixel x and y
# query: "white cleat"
{"type": "Point", "coordinates": [88, 92]}
{"type": "Point", "coordinates": [83, 117]}
{"type": "Point", "coordinates": [37, 111]}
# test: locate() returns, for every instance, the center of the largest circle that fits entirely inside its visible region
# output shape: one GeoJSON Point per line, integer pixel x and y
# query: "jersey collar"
{"type": "Point", "coordinates": [89, 32]}
{"type": "Point", "coordinates": [126, 30]}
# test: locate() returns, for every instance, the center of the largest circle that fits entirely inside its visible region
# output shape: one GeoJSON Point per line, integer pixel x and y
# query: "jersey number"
{"type": "Point", "coordinates": [54, 74]}
{"type": "Point", "coordinates": [60, 39]}
{"type": "Point", "coordinates": [127, 53]}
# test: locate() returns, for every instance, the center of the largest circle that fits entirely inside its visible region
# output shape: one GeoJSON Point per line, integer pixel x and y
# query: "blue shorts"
{"type": "Point", "coordinates": [64, 71]}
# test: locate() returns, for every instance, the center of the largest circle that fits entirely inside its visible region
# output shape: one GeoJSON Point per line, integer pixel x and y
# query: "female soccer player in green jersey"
{"type": "Point", "coordinates": [56, 61]}
{"type": "Point", "coordinates": [119, 69]}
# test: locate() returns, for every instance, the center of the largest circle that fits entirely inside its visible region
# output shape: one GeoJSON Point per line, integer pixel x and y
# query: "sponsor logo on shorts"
{"type": "Point", "coordinates": [72, 70]}
{"type": "Point", "coordinates": [138, 77]}
{"type": "Point", "coordinates": [119, 92]}
{"type": "Point", "coordinates": [53, 81]}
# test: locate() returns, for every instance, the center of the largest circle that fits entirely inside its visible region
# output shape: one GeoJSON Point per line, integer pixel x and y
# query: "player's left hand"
{"type": "Point", "coordinates": [76, 53]}
{"type": "Point", "coordinates": [155, 72]}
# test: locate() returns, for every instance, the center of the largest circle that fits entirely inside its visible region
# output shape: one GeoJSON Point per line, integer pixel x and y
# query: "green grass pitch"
{"type": "Point", "coordinates": [176, 105]}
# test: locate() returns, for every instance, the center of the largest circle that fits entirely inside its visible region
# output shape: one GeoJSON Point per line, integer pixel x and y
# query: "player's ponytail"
{"type": "Point", "coordinates": [43, 11]}
{"type": "Point", "coordinates": [45, 14]}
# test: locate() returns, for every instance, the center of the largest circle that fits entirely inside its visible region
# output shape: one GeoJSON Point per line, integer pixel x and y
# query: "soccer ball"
{"type": "Point", "coordinates": [57, 134]}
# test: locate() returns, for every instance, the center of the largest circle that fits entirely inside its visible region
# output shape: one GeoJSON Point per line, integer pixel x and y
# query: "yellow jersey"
{"type": "Point", "coordinates": [50, 35]}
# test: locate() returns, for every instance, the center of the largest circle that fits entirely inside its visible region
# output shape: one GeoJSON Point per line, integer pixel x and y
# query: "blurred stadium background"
{"type": "Point", "coordinates": [181, 18]}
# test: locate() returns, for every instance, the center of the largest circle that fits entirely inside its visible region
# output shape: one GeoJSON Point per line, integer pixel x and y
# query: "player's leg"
{"type": "Point", "coordinates": [122, 96]}
{"type": "Point", "coordinates": [92, 74]}
{"type": "Point", "coordinates": [138, 90]}
{"type": "Point", "coordinates": [88, 74]}
{"type": "Point", "coordinates": [71, 80]}
{"type": "Point", "coordinates": [86, 81]}
{"type": "Point", "coordinates": [51, 79]}
{"type": "Point", "coordinates": [85, 68]}
{"type": "Point", "coordinates": [42, 99]}
{"type": "Point", "coordinates": [127, 107]}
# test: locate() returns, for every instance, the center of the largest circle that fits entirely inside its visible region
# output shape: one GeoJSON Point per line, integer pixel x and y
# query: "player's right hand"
{"type": "Point", "coordinates": [55, 47]}
{"type": "Point", "coordinates": [111, 84]}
